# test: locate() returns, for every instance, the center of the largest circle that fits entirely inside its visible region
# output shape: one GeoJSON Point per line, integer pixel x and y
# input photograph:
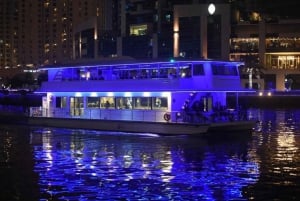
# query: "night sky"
{"type": "Point", "coordinates": [283, 8]}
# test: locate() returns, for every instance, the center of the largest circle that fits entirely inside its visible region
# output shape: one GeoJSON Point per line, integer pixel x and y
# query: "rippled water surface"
{"type": "Point", "coordinates": [61, 164]}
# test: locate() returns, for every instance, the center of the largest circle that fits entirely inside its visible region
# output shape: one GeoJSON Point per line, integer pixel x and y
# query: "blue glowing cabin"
{"type": "Point", "coordinates": [138, 91]}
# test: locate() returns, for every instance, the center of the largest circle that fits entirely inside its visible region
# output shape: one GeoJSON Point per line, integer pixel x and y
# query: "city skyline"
{"type": "Point", "coordinates": [35, 33]}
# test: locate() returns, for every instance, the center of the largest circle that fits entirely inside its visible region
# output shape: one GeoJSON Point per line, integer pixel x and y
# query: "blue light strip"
{"type": "Point", "coordinates": [134, 94]}
{"type": "Point", "coordinates": [142, 64]}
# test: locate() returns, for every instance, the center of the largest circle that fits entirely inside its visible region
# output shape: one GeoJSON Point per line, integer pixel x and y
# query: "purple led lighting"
{"type": "Point", "coordinates": [159, 63]}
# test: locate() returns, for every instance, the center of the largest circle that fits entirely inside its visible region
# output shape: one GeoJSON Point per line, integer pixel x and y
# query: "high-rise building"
{"type": "Point", "coordinates": [35, 33]}
{"type": "Point", "coordinates": [269, 43]}
{"type": "Point", "coordinates": [19, 33]}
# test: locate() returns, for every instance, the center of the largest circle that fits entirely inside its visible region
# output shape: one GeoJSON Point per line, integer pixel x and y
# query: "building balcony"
{"type": "Point", "coordinates": [282, 49]}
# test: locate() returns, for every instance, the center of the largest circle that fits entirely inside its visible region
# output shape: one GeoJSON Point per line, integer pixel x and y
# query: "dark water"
{"type": "Point", "coordinates": [60, 164]}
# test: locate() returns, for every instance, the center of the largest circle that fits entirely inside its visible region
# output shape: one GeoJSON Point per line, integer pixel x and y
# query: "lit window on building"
{"type": "Point", "coordinates": [138, 30]}
{"type": "Point", "coordinates": [282, 61]}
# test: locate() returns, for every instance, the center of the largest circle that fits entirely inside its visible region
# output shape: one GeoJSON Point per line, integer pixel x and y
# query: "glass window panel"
{"type": "Point", "coordinates": [159, 103]}
{"type": "Point", "coordinates": [76, 106]}
{"type": "Point", "coordinates": [61, 102]}
{"type": "Point", "coordinates": [142, 103]}
{"type": "Point", "coordinates": [124, 103]}
{"type": "Point", "coordinates": [198, 69]}
{"type": "Point", "coordinates": [224, 70]}
{"type": "Point", "coordinates": [107, 102]}
{"type": "Point", "coordinates": [93, 102]}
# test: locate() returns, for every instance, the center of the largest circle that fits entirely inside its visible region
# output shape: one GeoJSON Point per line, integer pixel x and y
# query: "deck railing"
{"type": "Point", "coordinates": [107, 114]}
{"type": "Point", "coordinates": [140, 115]}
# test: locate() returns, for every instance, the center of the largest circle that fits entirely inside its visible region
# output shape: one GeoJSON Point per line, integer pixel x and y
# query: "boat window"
{"type": "Point", "coordinates": [144, 73]}
{"type": "Point", "coordinates": [142, 103]}
{"type": "Point", "coordinates": [198, 69]}
{"type": "Point", "coordinates": [163, 73]}
{"type": "Point", "coordinates": [76, 106]}
{"type": "Point", "coordinates": [154, 73]}
{"type": "Point", "coordinates": [107, 102]}
{"type": "Point", "coordinates": [218, 69]}
{"type": "Point", "coordinates": [159, 103]}
{"type": "Point", "coordinates": [93, 102]}
{"type": "Point", "coordinates": [64, 75]}
{"type": "Point", "coordinates": [185, 71]}
{"type": "Point", "coordinates": [124, 103]}
{"type": "Point", "coordinates": [61, 102]}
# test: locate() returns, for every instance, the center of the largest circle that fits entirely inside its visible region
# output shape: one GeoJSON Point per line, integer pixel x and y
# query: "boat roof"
{"type": "Point", "coordinates": [131, 61]}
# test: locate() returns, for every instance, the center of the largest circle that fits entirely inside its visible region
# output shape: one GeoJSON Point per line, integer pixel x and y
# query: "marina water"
{"type": "Point", "coordinates": [61, 164]}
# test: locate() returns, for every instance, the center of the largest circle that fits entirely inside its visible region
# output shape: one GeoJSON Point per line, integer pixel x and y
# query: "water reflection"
{"type": "Point", "coordinates": [59, 164]}
{"type": "Point", "coordinates": [79, 165]}
{"type": "Point", "coordinates": [278, 156]}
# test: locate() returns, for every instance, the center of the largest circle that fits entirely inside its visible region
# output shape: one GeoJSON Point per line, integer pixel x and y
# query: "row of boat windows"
{"type": "Point", "coordinates": [143, 73]}
{"type": "Point", "coordinates": [144, 103]}
{"type": "Point", "coordinates": [113, 74]}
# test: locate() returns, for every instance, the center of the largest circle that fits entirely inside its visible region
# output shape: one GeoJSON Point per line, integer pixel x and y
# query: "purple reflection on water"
{"type": "Point", "coordinates": [90, 165]}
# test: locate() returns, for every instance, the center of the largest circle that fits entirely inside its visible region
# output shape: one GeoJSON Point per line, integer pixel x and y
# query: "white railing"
{"type": "Point", "coordinates": [140, 115]}
{"type": "Point", "coordinates": [107, 114]}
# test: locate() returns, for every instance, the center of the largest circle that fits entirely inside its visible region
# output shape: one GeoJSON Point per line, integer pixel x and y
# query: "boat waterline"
{"type": "Point", "coordinates": [166, 128]}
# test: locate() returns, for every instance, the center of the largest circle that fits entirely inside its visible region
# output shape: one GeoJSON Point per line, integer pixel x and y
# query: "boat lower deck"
{"type": "Point", "coordinates": [161, 128]}
{"type": "Point", "coordinates": [144, 127]}
{"type": "Point", "coordinates": [124, 126]}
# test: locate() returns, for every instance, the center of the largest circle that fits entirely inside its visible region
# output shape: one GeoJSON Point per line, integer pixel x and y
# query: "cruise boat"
{"type": "Point", "coordinates": [163, 97]}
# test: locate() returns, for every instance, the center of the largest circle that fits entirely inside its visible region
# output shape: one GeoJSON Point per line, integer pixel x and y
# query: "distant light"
{"type": "Point", "coordinates": [211, 8]}
{"type": "Point", "coordinates": [172, 60]}
{"type": "Point", "coordinates": [260, 93]}
{"type": "Point", "coordinates": [29, 65]}
{"type": "Point", "coordinates": [269, 93]}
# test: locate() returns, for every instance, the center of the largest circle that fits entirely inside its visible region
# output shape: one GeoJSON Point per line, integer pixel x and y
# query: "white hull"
{"type": "Point", "coordinates": [141, 126]}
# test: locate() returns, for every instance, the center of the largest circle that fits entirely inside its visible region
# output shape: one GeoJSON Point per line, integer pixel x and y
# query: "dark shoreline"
{"type": "Point", "coordinates": [278, 100]}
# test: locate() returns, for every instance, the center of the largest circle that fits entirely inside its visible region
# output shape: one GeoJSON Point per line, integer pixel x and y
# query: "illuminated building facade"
{"type": "Point", "coordinates": [18, 35]}
{"type": "Point", "coordinates": [145, 29]}
{"type": "Point", "coordinates": [272, 48]}
{"type": "Point", "coordinates": [199, 32]}
{"type": "Point", "coordinates": [35, 33]}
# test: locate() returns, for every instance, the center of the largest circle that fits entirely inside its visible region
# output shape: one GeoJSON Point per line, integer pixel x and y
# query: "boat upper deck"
{"type": "Point", "coordinates": [130, 75]}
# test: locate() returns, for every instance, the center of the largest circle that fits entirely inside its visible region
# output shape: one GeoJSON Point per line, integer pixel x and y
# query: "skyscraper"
{"type": "Point", "coordinates": [34, 33]}
{"type": "Point", "coordinates": [18, 35]}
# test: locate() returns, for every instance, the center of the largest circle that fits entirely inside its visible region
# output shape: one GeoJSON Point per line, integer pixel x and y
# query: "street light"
{"type": "Point", "coordinates": [211, 8]}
